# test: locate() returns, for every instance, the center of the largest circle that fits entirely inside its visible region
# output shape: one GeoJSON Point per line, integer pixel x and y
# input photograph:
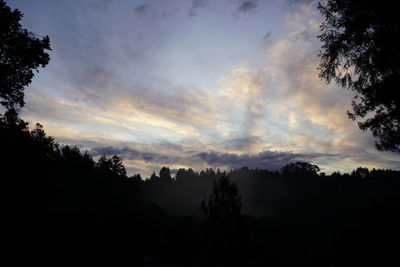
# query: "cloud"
{"type": "Point", "coordinates": [109, 87]}
{"type": "Point", "coordinates": [133, 154]}
{"type": "Point", "coordinates": [294, 3]}
{"type": "Point", "coordinates": [303, 36]}
{"type": "Point", "coordinates": [159, 156]}
{"type": "Point", "coordinates": [142, 8]}
{"type": "Point", "coordinates": [109, 150]}
{"type": "Point", "coordinates": [101, 5]}
{"type": "Point", "coordinates": [293, 61]}
{"type": "Point", "coordinates": [267, 35]}
{"type": "Point", "coordinates": [157, 152]}
{"type": "Point", "coordinates": [158, 103]}
{"type": "Point", "coordinates": [146, 158]}
{"type": "Point", "coordinates": [195, 5]}
{"type": "Point", "coordinates": [247, 6]}
{"type": "Point", "coordinates": [244, 143]}
{"type": "Point", "coordinates": [245, 89]}
{"type": "Point", "coordinates": [270, 160]}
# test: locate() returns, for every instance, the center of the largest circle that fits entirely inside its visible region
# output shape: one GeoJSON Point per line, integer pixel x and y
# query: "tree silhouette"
{"type": "Point", "coordinates": [112, 165]}
{"type": "Point", "coordinates": [21, 52]}
{"type": "Point", "coordinates": [300, 168]}
{"type": "Point", "coordinates": [154, 178]}
{"type": "Point", "coordinates": [361, 172]}
{"type": "Point", "coordinates": [361, 52]}
{"type": "Point", "coordinates": [224, 204]}
{"type": "Point", "coordinates": [165, 175]}
{"type": "Point", "coordinates": [223, 220]}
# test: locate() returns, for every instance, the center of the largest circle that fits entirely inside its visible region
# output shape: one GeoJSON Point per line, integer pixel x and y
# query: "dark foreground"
{"type": "Point", "coordinates": [64, 209]}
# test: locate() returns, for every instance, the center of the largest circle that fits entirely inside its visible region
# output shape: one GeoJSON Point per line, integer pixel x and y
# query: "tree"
{"type": "Point", "coordinates": [165, 175]}
{"type": "Point", "coordinates": [224, 204]}
{"type": "Point", "coordinates": [360, 52]}
{"type": "Point", "coordinates": [300, 168]}
{"type": "Point", "coordinates": [21, 53]}
{"type": "Point", "coordinates": [112, 165]}
{"type": "Point", "coordinates": [154, 178]}
{"type": "Point", "coordinates": [361, 172]}
{"type": "Point", "coordinates": [118, 167]}
{"type": "Point", "coordinates": [223, 222]}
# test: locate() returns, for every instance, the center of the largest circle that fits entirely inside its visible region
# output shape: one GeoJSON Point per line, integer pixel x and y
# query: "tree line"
{"type": "Point", "coordinates": [65, 208]}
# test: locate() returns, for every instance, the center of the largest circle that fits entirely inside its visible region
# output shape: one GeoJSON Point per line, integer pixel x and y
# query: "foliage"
{"type": "Point", "coordinates": [300, 168]}
{"type": "Point", "coordinates": [112, 165]}
{"type": "Point", "coordinates": [361, 52]}
{"type": "Point", "coordinates": [223, 224]}
{"type": "Point", "coordinates": [21, 53]}
{"type": "Point", "coordinates": [165, 175]}
{"type": "Point", "coordinates": [224, 203]}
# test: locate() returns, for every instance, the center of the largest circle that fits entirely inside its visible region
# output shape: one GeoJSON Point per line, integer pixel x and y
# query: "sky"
{"type": "Point", "coordinates": [192, 83]}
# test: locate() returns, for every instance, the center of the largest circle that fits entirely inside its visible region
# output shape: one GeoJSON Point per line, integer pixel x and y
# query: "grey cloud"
{"type": "Point", "coordinates": [103, 87]}
{"type": "Point", "coordinates": [362, 153]}
{"type": "Point", "coordinates": [298, 2]}
{"type": "Point", "coordinates": [109, 150]}
{"type": "Point", "coordinates": [270, 160]}
{"type": "Point", "coordinates": [142, 8]}
{"type": "Point", "coordinates": [89, 76]}
{"type": "Point", "coordinates": [304, 36]}
{"type": "Point", "coordinates": [243, 143]}
{"type": "Point", "coordinates": [134, 154]}
{"type": "Point", "coordinates": [134, 170]}
{"type": "Point", "coordinates": [100, 5]}
{"type": "Point", "coordinates": [196, 4]}
{"type": "Point", "coordinates": [293, 5]}
{"type": "Point", "coordinates": [246, 6]}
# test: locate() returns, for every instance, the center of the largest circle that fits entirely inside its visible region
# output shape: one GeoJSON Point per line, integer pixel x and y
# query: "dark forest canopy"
{"type": "Point", "coordinates": [360, 52]}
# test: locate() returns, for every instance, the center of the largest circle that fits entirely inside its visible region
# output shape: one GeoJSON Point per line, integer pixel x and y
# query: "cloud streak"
{"type": "Point", "coordinates": [270, 160]}
{"type": "Point", "coordinates": [195, 6]}
{"type": "Point", "coordinates": [134, 154]}
{"type": "Point", "coordinates": [246, 6]}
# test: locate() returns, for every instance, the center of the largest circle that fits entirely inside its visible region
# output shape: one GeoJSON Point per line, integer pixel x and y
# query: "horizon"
{"type": "Point", "coordinates": [197, 172]}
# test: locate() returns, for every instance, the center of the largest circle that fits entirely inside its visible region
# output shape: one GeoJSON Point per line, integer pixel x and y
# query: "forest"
{"type": "Point", "coordinates": [65, 207]}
